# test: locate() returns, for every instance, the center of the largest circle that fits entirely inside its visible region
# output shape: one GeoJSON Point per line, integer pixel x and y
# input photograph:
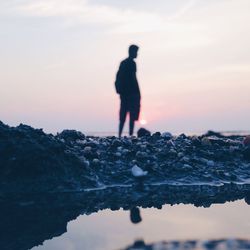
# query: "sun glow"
{"type": "Point", "coordinates": [143, 122]}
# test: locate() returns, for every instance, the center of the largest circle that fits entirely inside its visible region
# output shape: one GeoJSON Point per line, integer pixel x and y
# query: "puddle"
{"type": "Point", "coordinates": [133, 217]}
{"type": "Point", "coordinates": [108, 229]}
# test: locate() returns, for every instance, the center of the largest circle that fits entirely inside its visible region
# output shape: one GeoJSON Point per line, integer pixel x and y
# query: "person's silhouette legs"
{"type": "Point", "coordinates": [131, 126]}
{"type": "Point", "coordinates": [121, 125]}
{"type": "Point", "coordinates": [123, 114]}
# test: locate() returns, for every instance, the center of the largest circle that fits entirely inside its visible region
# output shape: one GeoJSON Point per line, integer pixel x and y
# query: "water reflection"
{"type": "Point", "coordinates": [221, 244]}
{"type": "Point", "coordinates": [27, 221]}
{"type": "Point", "coordinates": [135, 216]}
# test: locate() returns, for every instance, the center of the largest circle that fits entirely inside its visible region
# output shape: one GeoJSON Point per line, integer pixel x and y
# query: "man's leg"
{"type": "Point", "coordinates": [123, 113]}
{"type": "Point", "coordinates": [131, 126]}
{"type": "Point", "coordinates": [121, 125]}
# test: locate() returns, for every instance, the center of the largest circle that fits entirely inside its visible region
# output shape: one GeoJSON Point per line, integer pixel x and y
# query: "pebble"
{"type": "Point", "coordinates": [86, 163]}
{"type": "Point", "coordinates": [246, 141]}
{"type": "Point", "coordinates": [87, 149]}
{"type": "Point", "coordinates": [96, 161]}
{"type": "Point", "coordinates": [185, 159]}
{"type": "Point", "coordinates": [170, 143]}
{"type": "Point", "coordinates": [187, 167]}
{"type": "Point", "coordinates": [118, 154]}
{"type": "Point", "coordinates": [210, 163]}
{"type": "Point", "coordinates": [82, 142]}
{"type": "Point", "coordinates": [167, 135]}
{"type": "Point", "coordinates": [141, 154]}
{"type": "Point", "coordinates": [172, 152]}
{"type": "Point", "coordinates": [205, 141]}
{"type": "Point", "coordinates": [138, 172]}
{"type": "Point", "coordinates": [180, 155]}
{"type": "Point", "coordinates": [82, 158]}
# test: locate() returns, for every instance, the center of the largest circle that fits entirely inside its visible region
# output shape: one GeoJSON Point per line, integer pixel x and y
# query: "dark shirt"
{"type": "Point", "coordinates": [126, 75]}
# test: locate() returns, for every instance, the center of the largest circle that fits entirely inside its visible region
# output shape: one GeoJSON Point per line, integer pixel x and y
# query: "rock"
{"type": "Point", "coordinates": [246, 141]}
{"type": "Point", "coordinates": [233, 149]}
{"type": "Point", "coordinates": [96, 161]}
{"type": "Point", "coordinates": [180, 155]}
{"type": "Point", "coordinates": [138, 172]}
{"type": "Point", "coordinates": [187, 167]}
{"type": "Point", "coordinates": [170, 143]}
{"type": "Point", "coordinates": [87, 150]}
{"type": "Point", "coordinates": [185, 159]}
{"type": "Point", "coordinates": [205, 141]}
{"type": "Point", "coordinates": [218, 141]}
{"type": "Point", "coordinates": [213, 133]}
{"type": "Point", "coordinates": [125, 151]}
{"type": "Point", "coordinates": [156, 134]}
{"type": "Point", "coordinates": [196, 141]}
{"type": "Point", "coordinates": [210, 163]}
{"type": "Point", "coordinates": [143, 132]}
{"type": "Point", "coordinates": [141, 155]}
{"type": "Point", "coordinates": [118, 154]}
{"type": "Point", "coordinates": [181, 137]}
{"type": "Point", "coordinates": [134, 162]}
{"type": "Point", "coordinates": [82, 158]}
{"type": "Point", "coordinates": [116, 143]}
{"type": "Point", "coordinates": [86, 163]}
{"type": "Point", "coordinates": [81, 142]}
{"type": "Point", "coordinates": [172, 152]}
{"type": "Point", "coordinates": [143, 147]}
{"type": "Point", "coordinates": [71, 135]}
{"type": "Point", "coordinates": [167, 135]}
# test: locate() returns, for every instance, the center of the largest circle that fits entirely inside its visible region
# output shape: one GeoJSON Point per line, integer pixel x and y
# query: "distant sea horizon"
{"type": "Point", "coordinates": [189, 133]}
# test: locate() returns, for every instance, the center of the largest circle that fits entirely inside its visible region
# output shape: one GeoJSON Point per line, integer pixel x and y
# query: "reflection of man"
{"type": "Point", "coordinates": [127, 87]}
{"type": "Point", "coordinates": [135, 216]}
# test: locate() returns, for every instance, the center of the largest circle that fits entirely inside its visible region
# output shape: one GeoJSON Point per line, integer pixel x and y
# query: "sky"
{"type": "Point", "coordinates": [59, 59]}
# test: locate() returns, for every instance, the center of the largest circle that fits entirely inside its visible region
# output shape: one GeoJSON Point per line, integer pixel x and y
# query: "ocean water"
{"type": "Point", "coordinates": [189, 133]}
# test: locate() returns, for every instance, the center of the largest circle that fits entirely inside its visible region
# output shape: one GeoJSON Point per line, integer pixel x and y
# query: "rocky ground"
{"type": "Point", "coordinates": [33, 161]}
{"type": "Point", "coordinates": [61, 176]}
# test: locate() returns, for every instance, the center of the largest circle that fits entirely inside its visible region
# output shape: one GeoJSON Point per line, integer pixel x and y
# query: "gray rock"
{"type": "Point", "coordinates": [143, 132]}
{"type": "Point", "coordinates": [167, 135]}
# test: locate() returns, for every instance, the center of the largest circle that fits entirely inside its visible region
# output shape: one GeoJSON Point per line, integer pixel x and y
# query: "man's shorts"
{"type": "Point", "coordinates": [131, 105]}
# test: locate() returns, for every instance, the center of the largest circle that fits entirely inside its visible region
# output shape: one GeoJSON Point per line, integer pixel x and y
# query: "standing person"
{"type": "Point", "coordinates": [127, 87]}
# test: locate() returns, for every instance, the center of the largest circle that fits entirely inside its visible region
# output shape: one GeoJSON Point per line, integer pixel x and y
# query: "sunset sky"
{"type": "Point", "coordinates": [58, 60]}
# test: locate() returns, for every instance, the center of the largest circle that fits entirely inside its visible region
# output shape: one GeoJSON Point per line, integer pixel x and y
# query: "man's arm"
{"type": "Point", "coordinates": [136, 84]}
{"type": "Point", "coordinates": [119, 78]}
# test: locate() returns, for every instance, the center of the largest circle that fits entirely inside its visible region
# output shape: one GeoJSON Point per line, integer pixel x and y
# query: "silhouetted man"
{"type": "Point", "coordinates": [127, 87]}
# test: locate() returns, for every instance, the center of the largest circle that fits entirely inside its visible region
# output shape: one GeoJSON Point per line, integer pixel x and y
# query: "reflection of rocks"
{"type": "Point", "coordinates": [32, 161]}
{"type": "Point", "coordinates": [225, 244]}
{"type": "Point", "coordinates": [30, 219]}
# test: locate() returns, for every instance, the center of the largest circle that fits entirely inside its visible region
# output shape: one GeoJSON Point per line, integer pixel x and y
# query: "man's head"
{"type": "Point", "coordinates": [132, 51]}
